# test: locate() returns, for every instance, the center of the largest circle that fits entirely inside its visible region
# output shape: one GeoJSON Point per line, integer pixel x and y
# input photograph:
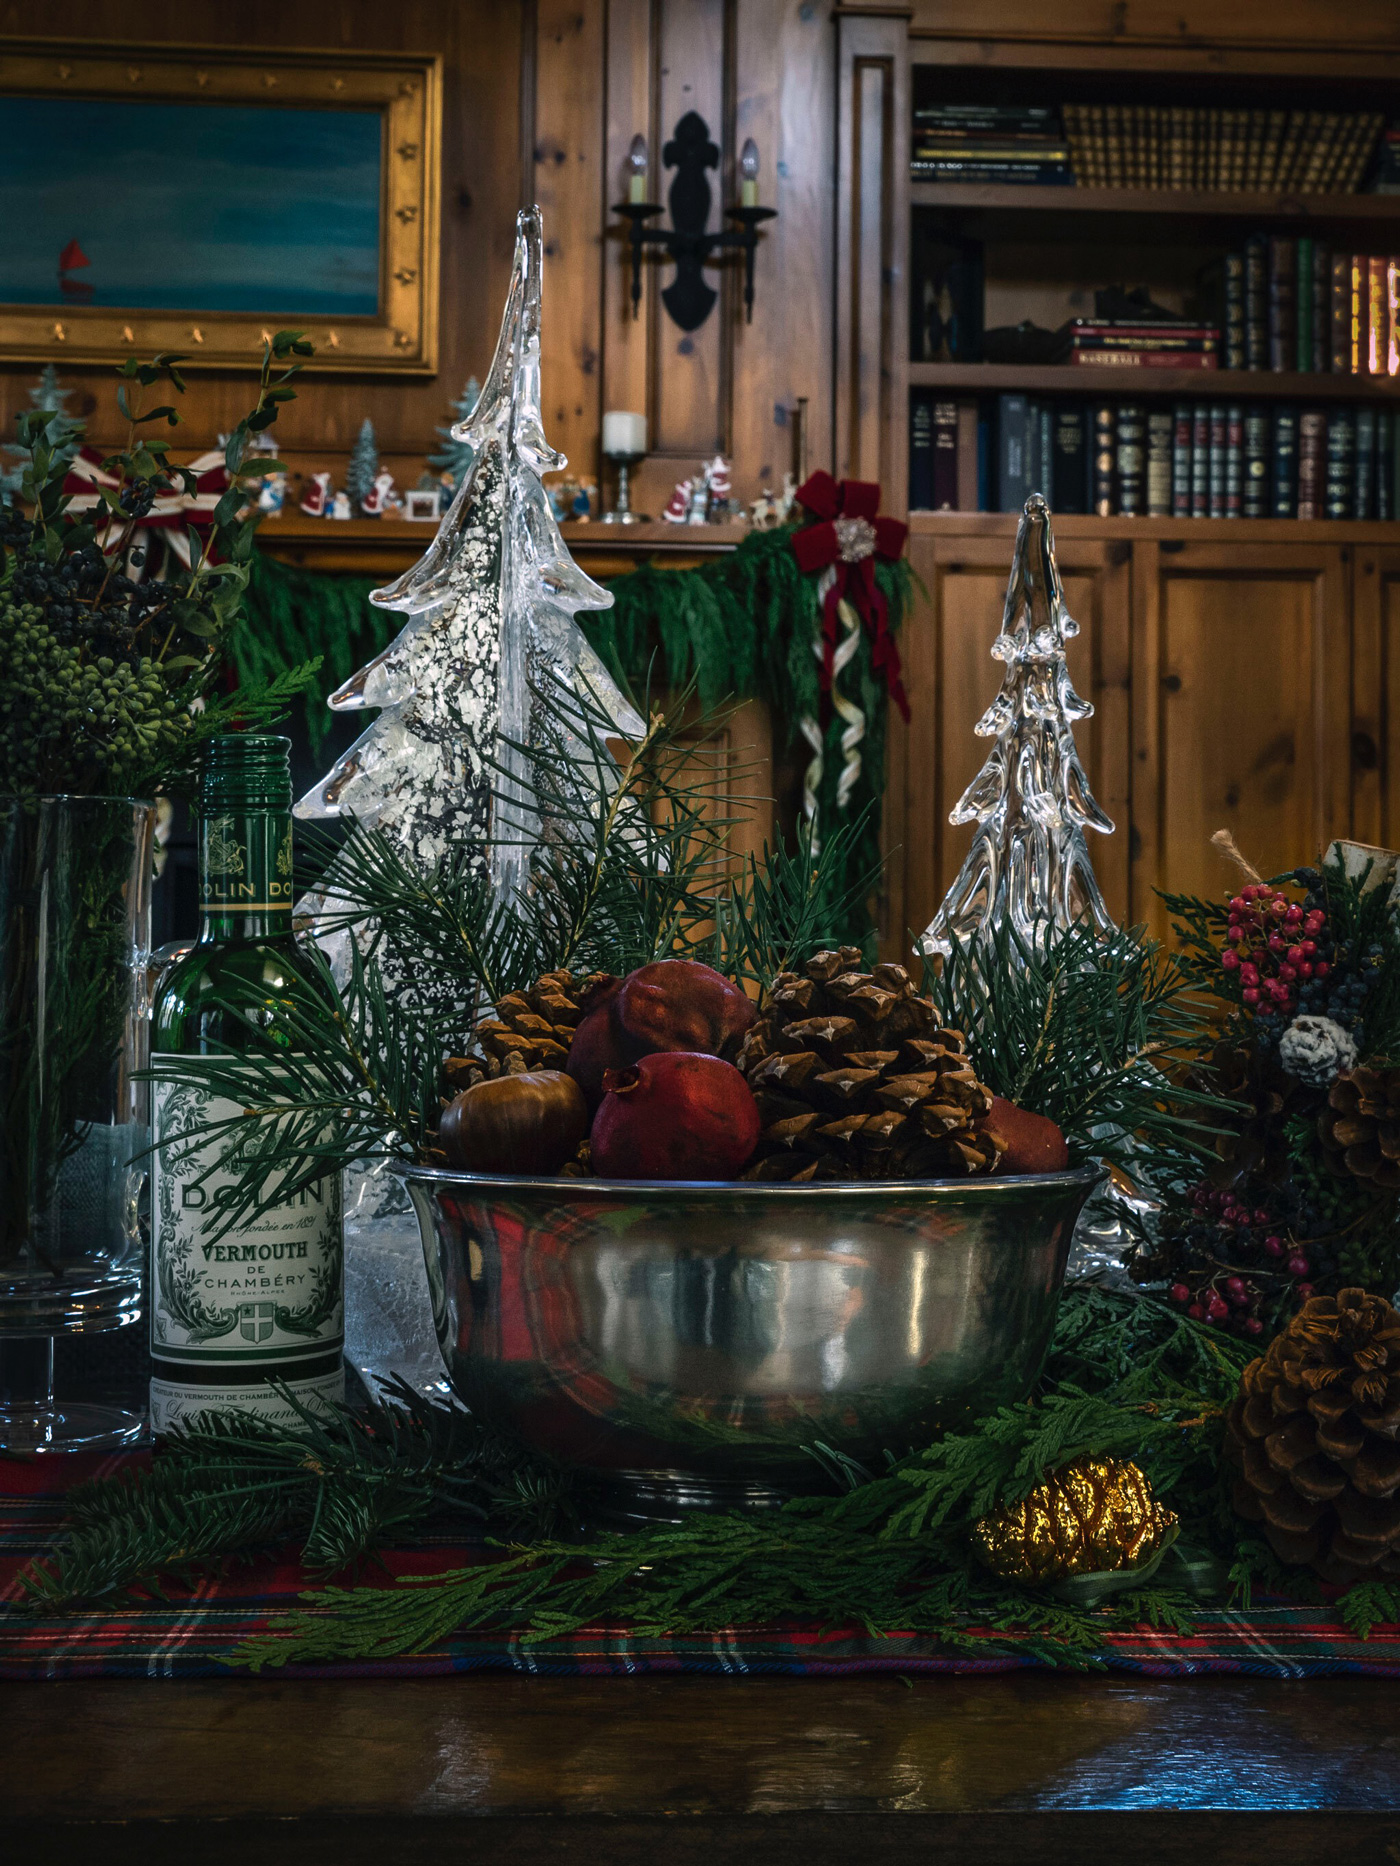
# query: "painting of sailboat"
{"type": "Point", "coordinates": [241, 208]}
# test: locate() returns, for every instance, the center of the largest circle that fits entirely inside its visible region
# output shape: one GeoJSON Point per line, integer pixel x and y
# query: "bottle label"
{"type": "Point", "coordinates": [177, 1403]}
{"type": "Point", "coordinates": [245, 863]}
{"type": "Point", "coordinates": [265, 1294]}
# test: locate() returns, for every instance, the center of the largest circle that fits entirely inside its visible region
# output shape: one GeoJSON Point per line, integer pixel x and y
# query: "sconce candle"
{"type": "Point", "coordinates": [637, 167]}
{"type": "Point", "coordinates": [748, 172]}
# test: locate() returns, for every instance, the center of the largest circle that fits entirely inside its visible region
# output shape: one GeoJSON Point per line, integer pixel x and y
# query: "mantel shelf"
{"type": "Point", "coordinates": [1097, 380]}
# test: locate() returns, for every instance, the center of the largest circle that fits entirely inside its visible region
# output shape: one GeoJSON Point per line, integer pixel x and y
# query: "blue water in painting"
{"type": "Point", "coordinates": [191, 207]}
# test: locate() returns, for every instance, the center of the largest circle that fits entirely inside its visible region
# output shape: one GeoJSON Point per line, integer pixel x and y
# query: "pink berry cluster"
{"type": "Point", "coordinates": [1271, 944]}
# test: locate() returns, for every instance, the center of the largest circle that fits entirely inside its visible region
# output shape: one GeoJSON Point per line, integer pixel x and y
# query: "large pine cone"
{"type": "Point", "coordinates": [530, 1029]}
{"type": "Point", "coordinates": [1312, 1438]}
{"type": "Point", "coordinates": [1360, 1126]}
{"type": "Point", "coordinates": [856, 1079]}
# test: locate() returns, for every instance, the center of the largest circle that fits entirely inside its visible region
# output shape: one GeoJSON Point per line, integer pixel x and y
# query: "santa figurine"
{"type": "Point", "coordinates": [317, 496]}
{"type": "Point", "coordinates": [340, 506]}
{"type": "Point", "coordinates": [719, 484]}
{"type": "Point", "coordinates": [677, 509]}
{"type": "Point", "coordinates": [381, 500]}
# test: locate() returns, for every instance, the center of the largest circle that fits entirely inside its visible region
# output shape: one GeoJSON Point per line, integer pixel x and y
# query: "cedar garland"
{"type": "Point", "coordinates": [744, 626]}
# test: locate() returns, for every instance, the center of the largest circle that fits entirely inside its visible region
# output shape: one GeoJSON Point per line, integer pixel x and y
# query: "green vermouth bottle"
{"type": "Point", "coordinates": [266, 1298]}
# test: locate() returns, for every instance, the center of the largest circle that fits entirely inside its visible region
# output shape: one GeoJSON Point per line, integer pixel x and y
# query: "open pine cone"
{"type": "Point", "coordinates": [1312, 1437]}
{"type": "Point", "coordinates": [1360, 1126]}
{"type": "Point", "coordinates": [530, 1029]}
{"type": "Point", "coordinates": [856, 1079]}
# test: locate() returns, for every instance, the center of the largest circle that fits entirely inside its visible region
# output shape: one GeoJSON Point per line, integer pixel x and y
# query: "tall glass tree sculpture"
{"type": "Point", "coordinates": [1029, 861]}
{"type": "Point", "coordinates": [489, 609]}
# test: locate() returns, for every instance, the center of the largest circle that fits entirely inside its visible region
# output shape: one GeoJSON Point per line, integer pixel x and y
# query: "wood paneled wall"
{"type": "Point", "coordinates": [542, 99]}
{"type": "Point", "coordinates": [481, 42]}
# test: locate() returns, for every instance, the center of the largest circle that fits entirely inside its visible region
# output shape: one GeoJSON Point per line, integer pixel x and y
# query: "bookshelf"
{"type": "Point", "coordinates": [1317, 209]}
{"type": "Point", "coordinates": [1095, 381]}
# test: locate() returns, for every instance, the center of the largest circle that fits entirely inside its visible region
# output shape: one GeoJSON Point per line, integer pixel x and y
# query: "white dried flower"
{"type": "Point", "coordinates": [1316, 1050]}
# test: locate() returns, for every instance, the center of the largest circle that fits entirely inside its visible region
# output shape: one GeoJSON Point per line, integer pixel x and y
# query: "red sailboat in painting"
{"type": "Point", "coordinates": [69, 260]}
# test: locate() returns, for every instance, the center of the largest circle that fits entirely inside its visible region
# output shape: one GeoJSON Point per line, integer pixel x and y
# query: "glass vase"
{"type": "Point", "coordinates": [75, 915]}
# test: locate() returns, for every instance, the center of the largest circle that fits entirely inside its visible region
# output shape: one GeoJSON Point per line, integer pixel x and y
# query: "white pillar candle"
{"type": "Point", "coordinates": [624, 435]}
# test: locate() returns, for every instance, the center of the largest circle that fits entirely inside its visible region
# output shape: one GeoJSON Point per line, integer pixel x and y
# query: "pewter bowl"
{"type": "Point", "coordinates": [689, 1343]}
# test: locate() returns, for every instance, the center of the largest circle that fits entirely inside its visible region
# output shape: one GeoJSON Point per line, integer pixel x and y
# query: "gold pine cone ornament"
{"type": "Point", "coordinates": [1094, 1516]}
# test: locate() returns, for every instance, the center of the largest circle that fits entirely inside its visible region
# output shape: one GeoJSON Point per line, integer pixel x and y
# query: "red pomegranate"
{"type": "Point", "coordinates": [1034, 1144]}
{"type": "Point", "coordinates": [680, 1114]}
{"type": "Point", "coordinates": [673, 1004]}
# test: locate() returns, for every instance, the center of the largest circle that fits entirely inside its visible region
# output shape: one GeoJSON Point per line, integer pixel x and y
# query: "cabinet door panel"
{"type": "Point", "coordinates": [1240, 711]}
{"type": "Point", "coordinates": [1375, 697]}
{"type": "Point", "coordinates": [951, 677]}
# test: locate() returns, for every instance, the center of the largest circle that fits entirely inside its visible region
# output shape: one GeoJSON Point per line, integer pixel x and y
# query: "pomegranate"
{"type": "Point", "coordinates": [679, 1114]}
{"type": "Point", "coordinates": [673, 1004]}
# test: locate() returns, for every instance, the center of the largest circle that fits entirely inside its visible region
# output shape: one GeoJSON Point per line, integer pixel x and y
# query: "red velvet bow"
{"type": "Point", "coordinates": [848, 536]}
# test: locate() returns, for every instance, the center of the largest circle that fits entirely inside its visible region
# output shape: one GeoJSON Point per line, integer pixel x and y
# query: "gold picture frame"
{"type": "Point", "coordinates": [392, 325]}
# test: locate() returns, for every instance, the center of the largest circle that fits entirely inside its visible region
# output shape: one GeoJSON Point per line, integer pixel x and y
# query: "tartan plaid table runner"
{"type": "Point", "coordinates": [191, 1633]}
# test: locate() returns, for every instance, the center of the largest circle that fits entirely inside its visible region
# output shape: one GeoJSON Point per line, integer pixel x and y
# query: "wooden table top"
{"type": "Point", "coordinates": [692, 1771]}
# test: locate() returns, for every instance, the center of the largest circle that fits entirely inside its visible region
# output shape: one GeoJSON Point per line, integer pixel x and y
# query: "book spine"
{"type": "Point", "coordinates": [1070, 455]}
{"type": "Point", "coordinates": [1181, 460]}
{"type": "Point", "coordinates": [1341, 462]}
{"type": "Point", "coordinates": [1312, 444]}
{"type": "Point", "coordinates": [1364, 477]}
{"type": "Point", "coordinates": [1392, 317]}
{"type": "Point", "coordinates": [1341, 314]}
{"type": "Point", "coordinates": [1377, 316]}
{"type": "Point", "coordinates": [1104, 460]}
{"type": "Point", "coordinates": [945, 457]}
{"type": "Point", "coordinates": [1283, 303]}
{"type": "Point", "coordinates": [1303, 303]}
{"type": "Point", "coordinates": [1013, 425]}
{"type": "Point", "coordinates": [967, 456]}
{"type": "Point", "coordinates": [1256, 302]}
{"type": "Point", "coordinates": [1234, 311]}
{"type": "Point", "coordinates": [1159, 464]}
{"type": "Point", "coordinates": [1385, 464]}
{"type": "Point", "coordinates": [920, 452]}
{"type": "Point", "coordinates": [1046, 437]}
{"type": "Point", "coordinates": [985, 459]}
{"type": "Point", "coordinates": [1144, 359]}
{"type": "Point", "coordinates": [1131, 458]}
{"type": "Point", "coordinates": [1360, 313]}
{"type": "Point", "coordinates": [1256, 461]}
{"type": "Point", "coordinates": [1215, 485]}
{"type": "Point", "coordinates": [1321, 309]}
{"type": "Point", "coordinates": [1284, 502]}
{"type": "Point", "coordinates": [1234, 461]}
{"type": "Point", "coordinates": [1200, 460]}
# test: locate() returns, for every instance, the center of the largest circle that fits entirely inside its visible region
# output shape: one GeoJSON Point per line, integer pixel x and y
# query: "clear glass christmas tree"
{"type": "Point", "coordinates": [1029, 861]}
{"type": "Point", "coordinates": [489, 613]}
{"type": "Point", "coordinates": [454, 457]}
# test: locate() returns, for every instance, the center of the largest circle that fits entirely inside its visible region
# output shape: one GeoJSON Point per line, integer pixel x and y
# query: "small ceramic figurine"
{"type": "Point", "coordinates": [718, 484]}
{"type": "Point", "coordinates": [272, 494]}
{"type": "Point", "coordinates": [317, 496]}
{"type": "Point", "coordinates": [678, 505]}
{"type": "Point", "coordinates": [340, 506]}
{"type": "Point", "coordinates": [699, 513]}
{"type": "Point", "coordinates": [381, 500]}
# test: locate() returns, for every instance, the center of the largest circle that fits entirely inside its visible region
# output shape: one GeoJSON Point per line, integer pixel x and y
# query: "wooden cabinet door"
{"type": "Point", "coordinates": [951, 677]}
{"type": "Point", "coordinates": [1375, 695]}
{"type": "Point", "coordinates": [1241, 675]}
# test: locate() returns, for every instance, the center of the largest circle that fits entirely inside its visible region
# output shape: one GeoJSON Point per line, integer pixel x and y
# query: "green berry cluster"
{"type": "Point", "coordinates": [74, 723]}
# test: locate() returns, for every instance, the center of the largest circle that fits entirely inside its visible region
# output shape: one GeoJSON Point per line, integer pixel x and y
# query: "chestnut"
{"type": "Point", "coordinates": [531, 1124]}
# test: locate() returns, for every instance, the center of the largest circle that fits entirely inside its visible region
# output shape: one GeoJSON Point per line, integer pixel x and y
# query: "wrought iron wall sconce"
{"type": "Point", "coordinates": [690, 152]}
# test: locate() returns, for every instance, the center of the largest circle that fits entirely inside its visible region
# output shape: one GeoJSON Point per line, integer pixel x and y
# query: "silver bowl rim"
{"type": "Point", "coordinates": [976, 1188]}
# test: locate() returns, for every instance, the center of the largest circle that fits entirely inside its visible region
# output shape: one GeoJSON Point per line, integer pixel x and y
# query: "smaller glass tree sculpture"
{"type": "Point", "coordinates": [1031, 801]}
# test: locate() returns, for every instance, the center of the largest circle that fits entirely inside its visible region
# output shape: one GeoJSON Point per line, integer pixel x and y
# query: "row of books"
{"type": "Point", "coordinates": [1137, 344]}
{"type": "Point", "coordinates": [1007, 143]}
{"type": "Point", "coordinates": [1293, 304]}
{"type": "Point", "coordinates": [1198, 459]}
{"type": "Point", "coordinates": [1223, 151]}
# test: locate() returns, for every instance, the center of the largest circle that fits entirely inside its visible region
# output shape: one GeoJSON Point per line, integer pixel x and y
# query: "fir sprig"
{"type": "Point", "coordinates": [1083, 1027]}
{"type": "Point", "coordinates": [339, 1487]}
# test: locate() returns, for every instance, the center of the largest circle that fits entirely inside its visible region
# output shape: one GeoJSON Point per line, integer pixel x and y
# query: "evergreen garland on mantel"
{"type": "Point", "coordinates": [745, 625]}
